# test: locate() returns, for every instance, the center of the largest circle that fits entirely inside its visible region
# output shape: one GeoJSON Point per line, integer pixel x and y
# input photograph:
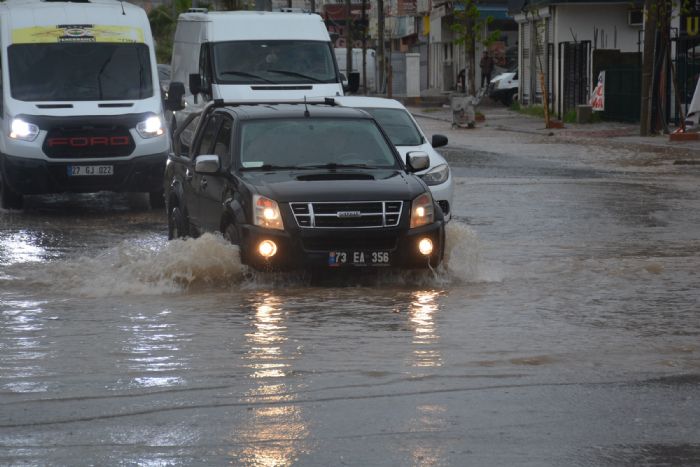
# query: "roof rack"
{"type": "Point", "coordinates": [311, 101]}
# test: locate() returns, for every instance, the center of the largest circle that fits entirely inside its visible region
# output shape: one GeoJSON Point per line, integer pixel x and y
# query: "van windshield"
{"type": "Point", "coordinates": [80, 71]}
{"type": "Point", "coordinates": [273, 62]}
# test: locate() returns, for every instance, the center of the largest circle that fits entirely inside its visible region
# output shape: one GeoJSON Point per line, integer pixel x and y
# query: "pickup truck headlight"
{"type": "Point", "coordinates": [266, 213]}
{"type": "Point", "coordinates": [151, 127]}
{"type": "Point", "coordinates": [19, 129]}
{"type": "Point", "coordinates": [438, 175]}
{"type": "Point", "coordinates": [422, 212]}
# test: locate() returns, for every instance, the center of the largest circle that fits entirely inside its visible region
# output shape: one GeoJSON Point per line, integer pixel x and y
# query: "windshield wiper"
{"type": "Point", "coordinates": [300, 75]}
{"type": "Point", "coordinates": [249, 75]}
{"type": "Point", "coordinates": [335, 165]}
{"type": "Point", "coordinates": [272, 167]}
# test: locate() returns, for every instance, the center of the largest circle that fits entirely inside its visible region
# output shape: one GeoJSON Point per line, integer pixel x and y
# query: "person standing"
{"type": "Point", "coordinates": [486, 64]}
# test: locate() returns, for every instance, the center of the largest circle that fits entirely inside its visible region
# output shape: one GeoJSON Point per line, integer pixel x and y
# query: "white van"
{"type": "Point", "coordinates": [248, 56]}
{"type": "Point", "coordinates": [371, 60]}
{"type": "Point", "coordinates": [81, 106]}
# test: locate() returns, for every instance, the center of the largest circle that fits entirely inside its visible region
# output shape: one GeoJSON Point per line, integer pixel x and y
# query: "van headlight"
{"type": "Point", "coordinates": [151, 127]}
{"type": "Point", "coordinates": [266, 213]}
{"type": "Point", "coordinates": [422, 212]}
{"type": "Point", "coordinates": [19, 129]}
{"type": "Point", "coordinates": [436, 176]}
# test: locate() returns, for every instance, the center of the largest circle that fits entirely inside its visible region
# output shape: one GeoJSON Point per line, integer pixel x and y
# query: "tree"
{"type": "Point", "coordinates": [657, 60]}
{"type": "Point", "coordinates": [470, 27]}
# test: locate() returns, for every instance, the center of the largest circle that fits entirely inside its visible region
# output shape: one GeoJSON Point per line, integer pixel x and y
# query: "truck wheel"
{"type": "Point", "coordinates": [231, 234]}
{"type": "Point", "coordinates": [8, 198]}
{"type": "Point", "coordinates": [177, 224]}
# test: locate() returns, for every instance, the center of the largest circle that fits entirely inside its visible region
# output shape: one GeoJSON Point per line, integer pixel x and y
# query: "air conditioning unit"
{"type": "Point", "coordinates": [635, 17]}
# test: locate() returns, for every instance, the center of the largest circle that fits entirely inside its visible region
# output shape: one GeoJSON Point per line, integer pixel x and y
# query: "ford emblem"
{"type": "Point", "coordinates": [345, 214]}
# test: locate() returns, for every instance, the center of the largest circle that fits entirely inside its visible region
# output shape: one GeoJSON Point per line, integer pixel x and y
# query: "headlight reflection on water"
{"type": "Point", "coordinates": [22, 247]}
{"type": "Point", "coordinates": [275, 431]}
{"type": "Point", "coordinates": [425, 338]}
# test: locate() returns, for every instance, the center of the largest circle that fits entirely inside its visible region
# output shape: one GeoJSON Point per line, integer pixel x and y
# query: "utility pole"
{"type": "Point", "coordinates": [364, 47]}
{"type": "Point", "coordinates": [380, 45]}
{"type": "Point", "coordinates": [348, 39]}
{"type": "Point", "coordinates": [650, 26]}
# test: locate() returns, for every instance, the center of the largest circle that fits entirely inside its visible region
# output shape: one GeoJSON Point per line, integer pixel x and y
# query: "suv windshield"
{"type": "Point", "coordinates": [313, 142]}
{"type": "Point", "coordinates": [398, 126]}
{"type": "Point", "coordinates": [277, 62]}
{"type": "Point", "coordinates": [80, 72]}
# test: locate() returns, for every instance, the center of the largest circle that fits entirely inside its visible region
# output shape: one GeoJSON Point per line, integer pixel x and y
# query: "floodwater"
{"type": "Point", "coordinates": [564, 329]}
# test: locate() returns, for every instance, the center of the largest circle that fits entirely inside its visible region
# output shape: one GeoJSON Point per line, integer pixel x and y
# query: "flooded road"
{"type": "Point", "coordinates": [563, 330]}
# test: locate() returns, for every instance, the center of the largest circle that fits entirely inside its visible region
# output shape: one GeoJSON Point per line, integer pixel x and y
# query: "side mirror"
{"type": "Point", "coordinates": [176, 92]}
{"type": "Point", "coordinates": [417, 161]}
{"type": "Point", "coordinates": [207, 164]}
{"type": "Point", "coordinates": [439, 141]}
{"type": "Point", "coordinates": [195, 83]}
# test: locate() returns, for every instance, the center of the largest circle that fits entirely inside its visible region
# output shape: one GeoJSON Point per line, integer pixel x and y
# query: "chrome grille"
{"type": "Point", "coordinates": [353, 214]}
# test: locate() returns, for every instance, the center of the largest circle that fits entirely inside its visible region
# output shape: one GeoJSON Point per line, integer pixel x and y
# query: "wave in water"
{"type": "Point", "coordinates": [210, 261]}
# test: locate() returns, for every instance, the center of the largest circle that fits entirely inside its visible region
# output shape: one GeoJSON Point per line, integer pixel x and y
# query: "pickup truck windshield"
{"type": "Point", "coordinates": [313, 143]}
{"type": "Point", "coordinates": [80, 72]}
{"type": "Point", "coordinates": [273, 62]}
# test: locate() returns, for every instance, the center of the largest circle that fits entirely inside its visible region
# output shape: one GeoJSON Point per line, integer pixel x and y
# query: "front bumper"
{"type": "Point", "coordinates": [38, 176]}
{"type": "Point", "coordinates": [312, 248]}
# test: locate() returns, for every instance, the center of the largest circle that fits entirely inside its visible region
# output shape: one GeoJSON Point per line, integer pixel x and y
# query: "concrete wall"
{"type": "Point", "coordinates": [610, 20]}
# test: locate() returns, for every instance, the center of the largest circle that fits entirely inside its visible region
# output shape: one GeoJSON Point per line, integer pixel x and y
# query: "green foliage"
{"type": "Point", "coordinates": [515, 105]}
{"type": "Point", "coordinates": [570, 116]}
{"type": "Point", "coordinates": [469, 26]}
{"type": "Point", "coordinates": [532, 110]}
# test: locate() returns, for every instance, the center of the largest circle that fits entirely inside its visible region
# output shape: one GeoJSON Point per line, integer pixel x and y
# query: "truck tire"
{"type": "Point", "coordinates": [177, 224]}
{"type": "Point", "coordinates": [8, 198]}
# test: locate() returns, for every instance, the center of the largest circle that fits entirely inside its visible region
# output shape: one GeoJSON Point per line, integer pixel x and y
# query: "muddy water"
{"type": "Point", "coordinates": [563, 329]}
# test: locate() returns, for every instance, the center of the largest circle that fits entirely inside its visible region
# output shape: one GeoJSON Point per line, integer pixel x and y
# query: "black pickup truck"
{"type": "Point", "coordinates": [301, 186]}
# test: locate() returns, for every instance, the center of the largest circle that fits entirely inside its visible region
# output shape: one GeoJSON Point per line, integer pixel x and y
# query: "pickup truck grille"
{"type": "Point", "coordinates": [359, 214]}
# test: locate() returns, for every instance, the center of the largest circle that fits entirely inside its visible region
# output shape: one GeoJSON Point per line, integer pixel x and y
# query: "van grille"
{"type": "Point", "coordinates": [353, 214]}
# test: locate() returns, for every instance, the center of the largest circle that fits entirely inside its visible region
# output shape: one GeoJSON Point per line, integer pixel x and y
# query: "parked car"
{"type": "Point", "coordinates": [504, 87]}
{"type": "Point", "coordinates": [407, 136]}
{"type": "Point", "coordinates": [302, 186]}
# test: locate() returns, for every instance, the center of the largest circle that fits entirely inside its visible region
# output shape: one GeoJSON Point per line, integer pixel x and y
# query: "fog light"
{"type": "Point", "coordinates": [267, 248]}
{"type": "Point", "coordinates": [425, 246]}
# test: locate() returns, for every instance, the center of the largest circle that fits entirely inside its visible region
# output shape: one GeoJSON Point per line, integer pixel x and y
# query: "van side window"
{"type": "Point", "coordinates": [208, 136]}
{"type": "Point", "coordinates": [205, 70]}
{"type": "Point", "coordinates": [223, 142]}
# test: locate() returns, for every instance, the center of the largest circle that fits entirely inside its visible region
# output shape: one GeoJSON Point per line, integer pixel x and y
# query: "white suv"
{"type": "Point", "coordinates": [407, 136]}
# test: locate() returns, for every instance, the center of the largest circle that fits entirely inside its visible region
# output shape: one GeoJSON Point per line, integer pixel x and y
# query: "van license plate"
{"type": "Point", "coordinates": [358, 258]}
{"type": "Point", "coordinates": [90, 170]}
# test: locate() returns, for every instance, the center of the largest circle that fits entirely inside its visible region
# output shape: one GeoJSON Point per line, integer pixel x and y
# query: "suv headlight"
{"type": "Point", "coordinates": [151, 127]}
{"type": "Point", "coordinates": [437, 175]}
{"type": "Point", "coordinates": [19, 129]}
{"type": "Point", "coordinates": [422, 212]}
{"type": "Point", "coordinates": [266, 213]}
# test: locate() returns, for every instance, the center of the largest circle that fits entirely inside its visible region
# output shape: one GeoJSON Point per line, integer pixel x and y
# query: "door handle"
{"type": "Point", "coordinates": [203, 183]}
{"type": "Point", "coordinates": [188, 175]}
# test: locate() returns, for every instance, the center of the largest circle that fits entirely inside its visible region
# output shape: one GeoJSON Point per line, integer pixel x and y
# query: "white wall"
{"type": "Point", "coordinates": [583, 19]}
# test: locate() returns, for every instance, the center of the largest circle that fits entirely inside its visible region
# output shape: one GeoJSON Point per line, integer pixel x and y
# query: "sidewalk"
{"type": "Point", "coordinates": [503, 125]}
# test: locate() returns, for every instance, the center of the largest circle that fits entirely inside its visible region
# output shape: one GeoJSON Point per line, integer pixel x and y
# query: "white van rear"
{"type": "Point", "coordinates": [81, 107]}
{"type": "Point", "coordinates": [252, 56]}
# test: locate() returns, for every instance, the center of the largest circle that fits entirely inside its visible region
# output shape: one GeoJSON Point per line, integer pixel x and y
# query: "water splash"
{"type": "Point", "coordinates": [138, 269]}
{"type": "Point", "coordinates": [158, 267]}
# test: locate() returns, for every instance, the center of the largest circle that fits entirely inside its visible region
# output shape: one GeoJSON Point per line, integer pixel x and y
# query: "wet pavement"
{"type": "Point", "coordinates": [563, 330]}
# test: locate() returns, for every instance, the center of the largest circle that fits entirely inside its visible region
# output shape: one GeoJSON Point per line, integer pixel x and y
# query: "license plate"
{"type": "Point", "coordinates": [90, 170]}
{"type": "Point", "coordinates": [358, 258]}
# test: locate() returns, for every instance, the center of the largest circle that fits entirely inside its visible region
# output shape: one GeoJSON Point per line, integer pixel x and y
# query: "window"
{"type": "Point", "coordinates": [93, 71]}
{"type": "Point", "coordinates": [223, 142]}
{"type": "Point", "coordinates": [206, 144]}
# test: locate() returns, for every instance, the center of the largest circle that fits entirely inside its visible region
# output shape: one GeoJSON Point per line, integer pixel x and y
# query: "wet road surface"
{"type": "Point", "coordinates": [564, 330]}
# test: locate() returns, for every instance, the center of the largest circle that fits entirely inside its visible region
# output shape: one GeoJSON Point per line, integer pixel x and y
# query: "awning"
{"type": "Point", "coordinates": [486, 10]}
